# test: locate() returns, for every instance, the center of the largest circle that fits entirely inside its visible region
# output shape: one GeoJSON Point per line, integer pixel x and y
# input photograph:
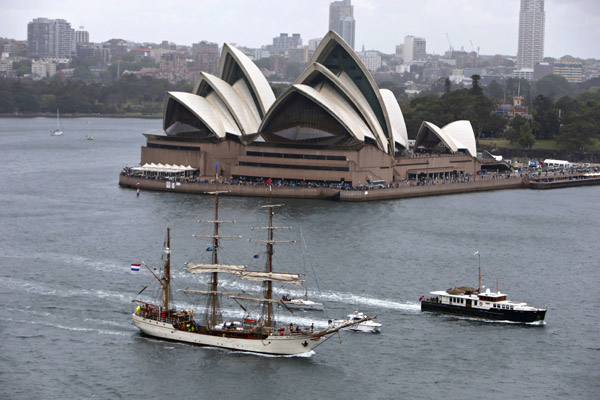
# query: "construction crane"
{"type": "Point", "coordinates": [450, 44]}
{"type": "Point", "coordinates": [473, 50]}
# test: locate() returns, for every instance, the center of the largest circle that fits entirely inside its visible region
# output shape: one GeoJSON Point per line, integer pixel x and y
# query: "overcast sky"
{"type": "Point", "coordinates": [572, 26]}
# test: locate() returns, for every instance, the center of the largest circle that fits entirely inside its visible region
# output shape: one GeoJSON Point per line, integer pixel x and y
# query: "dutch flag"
{"type": "Point", "coordinates": [135, 267]}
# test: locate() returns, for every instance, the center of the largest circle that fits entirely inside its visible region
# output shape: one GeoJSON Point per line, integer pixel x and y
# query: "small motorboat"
{"type": "Point", "coordinates": [301, 303]}
{"type": "Point", "coordinates": [369, 326]}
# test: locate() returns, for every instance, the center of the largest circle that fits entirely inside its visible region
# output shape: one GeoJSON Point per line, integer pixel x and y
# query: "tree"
{"type": "Point", "coordinates": [494, 126]}
{"type": "Point", "coordinates": [554, 86]}
{"type": "Point", "coordinates": [263, 63]}
{"type": "Point", "coordinates": [519, 132]}
{"type": "Point", "coordinates": [545, 116]}
{"type": "Point", "coordinates": [577, 134]}
{"type": "Point", "coordinates": [495, 90]}
{"type": "Point", "coordinates": [476, 89]}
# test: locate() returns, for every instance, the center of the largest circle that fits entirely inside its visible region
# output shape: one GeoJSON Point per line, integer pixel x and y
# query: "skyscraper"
{"type": "Point", "coordinates": [341, 20]}
{"type": "Point", "coordinates": [531, 33]}
{"type": "Point", "coordinates": [415, 48]}
{"type": "Point", "coordinates": [50, 38]}
{"type": "Point", "coordinates": [82, 36]}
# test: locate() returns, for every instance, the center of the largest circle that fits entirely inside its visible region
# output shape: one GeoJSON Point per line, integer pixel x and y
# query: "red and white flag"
{"type": "Point", "coordinates": [135, 267]}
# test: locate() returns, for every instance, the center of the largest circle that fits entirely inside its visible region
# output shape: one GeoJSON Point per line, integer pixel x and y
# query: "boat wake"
{"type": "Point", "coordinates": [71, 328]}
{"type": "Point", "coordinates": [301, 355]}
{"type": "Point", "coordinates": [371, 302]}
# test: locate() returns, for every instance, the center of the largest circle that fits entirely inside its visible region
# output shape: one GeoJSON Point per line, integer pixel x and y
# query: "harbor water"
{"type": "Point", "coordinates": [69, 234]}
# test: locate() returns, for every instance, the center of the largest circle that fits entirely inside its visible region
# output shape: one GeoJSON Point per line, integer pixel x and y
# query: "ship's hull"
{"type": "Point", "coordinates": [303, 305]}
{"type": "Point", "coordinates": [492, 314]}
{"type": "Point", "coordinates": [274, 345]}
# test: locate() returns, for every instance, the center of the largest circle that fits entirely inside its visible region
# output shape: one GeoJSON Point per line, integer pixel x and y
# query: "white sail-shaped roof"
{"type": "Point", "coordinates": [222, 111]}
{"type": "Point", "coordinates": [463, 135]}
{"type": "Point", "coordinates": [445, 139]}
{"type": "Point", "coordinates": [237, 105]}
{"type": "Point", "coordinates": [330, 101]}
{"type": "Point", "coordinates": [348, 88]}
{"type": "Point", "coordinates": [202, 109]}
{"type": "Point", "coordinates": [243, 91]}
{"type": "Point", "coordinates": [455, 136]}
{"type": "Point", "coordinates": [399, 132]}
{"type": "Point", "coordinates": [336, 55]}
{"type": "Point", "coordinates": [234, 64]}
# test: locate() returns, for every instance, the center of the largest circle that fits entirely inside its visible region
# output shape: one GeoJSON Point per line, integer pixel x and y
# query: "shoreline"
{"type": "Point", "coordinates": [324, 193]}
{"type": "Point", "coordinates": [82, 115]}
{"type": "Point", "coordinates": [359, 194]}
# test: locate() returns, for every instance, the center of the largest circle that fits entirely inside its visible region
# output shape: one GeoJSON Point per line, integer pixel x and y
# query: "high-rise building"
{"type": "Point", "coordinates": [313, 44]}
{"type": "Point", "coordinates": [206, 56]}
{"type": "Point", "coordinates": [415, 49]}
{"type": "Point", "coordinates": [346, 30]}
{"type": "Point", "coordinates": [341, 20]}
{"type": "Point", "coordinates": [284, 42]}
{"type": "Point", "coordinates": [531, 33]}
{"type": "Point", "coordinates": [570, 68]}
{"type": "Point", "coordinates": [50, 38]}
{"type": "Point", "coordinates": [82, 36]}
{"type": "Point", "coordinates": [371, 59]}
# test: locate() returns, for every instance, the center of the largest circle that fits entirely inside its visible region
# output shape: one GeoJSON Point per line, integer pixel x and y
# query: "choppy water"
{"type": "Point", "coordinates": [69, 234]}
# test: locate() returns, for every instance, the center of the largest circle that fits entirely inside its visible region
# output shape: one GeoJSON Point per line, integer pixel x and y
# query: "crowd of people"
{"type": "Point", "coordinates": [419, 180]}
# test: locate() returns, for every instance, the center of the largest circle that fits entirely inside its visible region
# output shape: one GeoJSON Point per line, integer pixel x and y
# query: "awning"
{"type": "Point", "coordinates": [164, 168]}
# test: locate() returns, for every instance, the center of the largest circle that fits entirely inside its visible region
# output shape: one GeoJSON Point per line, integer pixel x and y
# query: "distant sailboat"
{"type": "Point", "coordinates": [303, 303]}
{"type": "Point", "coordinates": [58, 131]}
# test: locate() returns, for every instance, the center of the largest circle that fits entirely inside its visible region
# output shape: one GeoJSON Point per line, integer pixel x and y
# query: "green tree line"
{"type": "Point", "coordinates": [127, 95]}
{"type": "Point", "coordinates": [573, 122]}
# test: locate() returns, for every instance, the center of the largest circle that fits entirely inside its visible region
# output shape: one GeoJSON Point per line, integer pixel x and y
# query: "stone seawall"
{"type": "Point", "coordinates": [431, 190]}
{"type": "Point", "coordinates": [324, 192]}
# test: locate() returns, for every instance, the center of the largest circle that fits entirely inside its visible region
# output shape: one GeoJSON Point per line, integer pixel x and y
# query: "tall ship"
{"type": "Point", "coordinates": [472, 302]}
{"type": "Point", "coordinates": [253, 333]}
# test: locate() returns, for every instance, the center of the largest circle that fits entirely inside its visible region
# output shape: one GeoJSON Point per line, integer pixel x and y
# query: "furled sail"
{"type": "Point", "coordinates": [258, 299]}
{"type": "Point", "coordinates": [271, 276]}
{"type": "Point", "coordinates": [194, 268]}
{"type": "Point", "coordinates": [222, 293]}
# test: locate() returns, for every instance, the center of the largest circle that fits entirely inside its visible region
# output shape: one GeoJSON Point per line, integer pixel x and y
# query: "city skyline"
{"type": "Point", "coordinates": [571, 26]}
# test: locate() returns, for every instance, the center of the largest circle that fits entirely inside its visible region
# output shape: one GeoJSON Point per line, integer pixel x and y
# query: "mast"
{"type": "Point", "coordinates": [479, 263]}
{"type": "Point", "coordinates": [167, 275]}
{"type": "Point", "coordinates": [215, 260]}
{"type": "Point", "coordinates": [270, 262]}
{"type": "Point", "coordinates": [214, 281]}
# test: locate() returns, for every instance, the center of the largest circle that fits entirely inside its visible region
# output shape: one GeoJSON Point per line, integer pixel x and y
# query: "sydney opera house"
{"type": "Point", "coordinates": [332, 125]}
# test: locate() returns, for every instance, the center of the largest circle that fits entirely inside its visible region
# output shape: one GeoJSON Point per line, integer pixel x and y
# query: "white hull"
{"type": "Point", "coordinates": [275, 345]}
{"type": "Point", "coordinates": [299, 304]}
{"type": "Point", "coordinates": [376, 328]}
{"type": "Point", "coordinates": [366, 326]}
{"type": "Point", "coordinates": [56, 133]}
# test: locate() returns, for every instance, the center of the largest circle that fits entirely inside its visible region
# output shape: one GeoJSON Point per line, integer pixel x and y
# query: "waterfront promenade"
{"type": "Point", "coordinates": [403, 190]}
